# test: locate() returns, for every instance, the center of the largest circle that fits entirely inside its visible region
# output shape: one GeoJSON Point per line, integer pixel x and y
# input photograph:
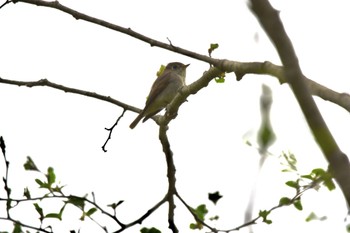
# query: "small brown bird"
{"type": "Point", "coordinates": [163, 91]}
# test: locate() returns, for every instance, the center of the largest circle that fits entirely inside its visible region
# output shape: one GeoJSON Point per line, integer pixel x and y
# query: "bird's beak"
{"type": "Point", "coordinates": [187, 65]}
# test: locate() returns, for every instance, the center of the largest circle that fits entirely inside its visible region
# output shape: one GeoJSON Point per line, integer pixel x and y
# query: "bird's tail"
{"type": "Point", "coordinates": [136, 121]}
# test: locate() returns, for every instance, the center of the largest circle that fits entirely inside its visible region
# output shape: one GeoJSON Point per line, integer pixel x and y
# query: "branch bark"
{"type": "Point", "coordinates": [338, 161]}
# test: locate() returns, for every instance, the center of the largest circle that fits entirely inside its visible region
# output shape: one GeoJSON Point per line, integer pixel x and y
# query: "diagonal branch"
{"type": "Point", "coordinates": [338, 161]}
{"type": "Point", "coordinates": [240, 68]}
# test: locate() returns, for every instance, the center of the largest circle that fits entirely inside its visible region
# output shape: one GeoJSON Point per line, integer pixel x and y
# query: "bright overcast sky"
{"type": "Point", "coordinates": [66, 131]}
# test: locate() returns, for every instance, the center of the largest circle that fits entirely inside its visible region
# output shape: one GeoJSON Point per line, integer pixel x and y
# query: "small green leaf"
{"type": "Point", "coordinates": [26, 193]}
{"type": "Point", "coordinates": [77, 201]}
{"type": "Point", "coordinates": [212, 48]}
{"type": "Point", "coordinates": [201, 211]}
{"type": "Point", "coordinates": [285, 201]}
{"type": "Point", "coordinates": [39, 210]}
{"type": "Point", "coordinates": [150, 230]}
{"type": "Point", "coordinates": [292, 184]}
{"type": "Point", "coordinates": [214, 197]}
{"type": "Point", "coordinates": [17, 228]}
{"type": "Point", "coordinates": [216, 217]}
{"type": "Point", "coordinates": [264, 214]}
{"type": "Point", "coordinates": [51, 177]}
{"type": "Point", "coordinates": [91, 212]}
{"type": "Point", "coordinates": [161, 70]}
{"type": "Point", "coordinates": [53, 215]}
{"type": "Point", "coordinates": [115, 205]}
{"type": "Point", "coordinates": [29, 165]}
{"type": "Point", "coordinates": [297, 204]}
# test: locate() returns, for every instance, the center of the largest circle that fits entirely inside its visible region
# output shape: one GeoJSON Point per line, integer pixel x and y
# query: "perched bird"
{"type": "Point", "coordinates": [163, 91]}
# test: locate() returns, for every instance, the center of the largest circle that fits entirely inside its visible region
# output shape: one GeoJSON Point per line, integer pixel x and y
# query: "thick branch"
{"type": "Point", "coordinates": [339, 163]}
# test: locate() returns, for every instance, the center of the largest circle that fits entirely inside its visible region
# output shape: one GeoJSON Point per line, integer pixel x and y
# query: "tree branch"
{"type": "Point", "coordinates": [240, 68]}
{"type": "Point", "coordinates": [338, 161]}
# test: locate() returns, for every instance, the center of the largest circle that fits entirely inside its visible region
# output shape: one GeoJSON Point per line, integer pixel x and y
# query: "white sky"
{"type": "Point", "coordinates": [66, 131]}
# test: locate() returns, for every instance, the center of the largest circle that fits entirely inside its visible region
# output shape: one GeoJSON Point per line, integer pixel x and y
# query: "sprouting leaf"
{"type": "Point", "coordinates": [26, 193]}
{"type": "Point", "coordinates": [51, 177]}
{"type": "Point", "coordinates": [214, 197]}
{"type": "Point", "coordinates": [220, 78]}
{"type": "Point", "coordinates": [264, 214]}
{"type": "Point", "coordinates": [115, 205]}
{"type": "Point", "coordinates": [161, 70]}
{"type": "Point", "coordinates": [29, 165]}
{"type": "Point", "coordinates": [212, 48]}
{"type": "Point", "coordinates": [201, 211]}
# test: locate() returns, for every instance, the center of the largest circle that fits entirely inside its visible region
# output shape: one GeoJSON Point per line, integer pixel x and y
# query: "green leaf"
{"type": "Point", "coordinates": [285, 201]}
{"type": "Point", "coordinates": [39, 210]}
{"type": "Point", "coordinates": [150, 230]}
{"type": "Point", "coordinates": [77, 201]}
{"type": "Point", "coordinates": [212, 48]}
{"type": "Point", "coordinates": [115, 205]}
{"type": "Point", "coordinates": [91, 212]}
{"type": "Point", "coordinates": [201, 211]}
{"type": "Point", "coordinates": [53, 215]}
{"type": "Point", "coordinates": [161, 70]}
{"type": "Point", "coordinates": [214, 197]}
{"type": "Point", "coordinates": [17, 228]}
{"type": "Point", "coordinates": [220, 79]}
{"type": "Point", "coordinates": [297, 204]}
{"type": "Point", "coordinates": [51, 177]}
{"type": "Point", "coordinates": [292, 184]}
{"type": "Point", "coordinates": [29, 165]}
{"type": "Point", "coordinates": [264, 214]}
{"type": "Point", "coordinates": [216, 217]}
{"type": "Point", "coordinates": [26, 193]}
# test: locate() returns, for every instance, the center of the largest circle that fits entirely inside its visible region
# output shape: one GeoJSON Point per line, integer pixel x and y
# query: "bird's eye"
{"type": "Point", "coordinates": [175, 67]}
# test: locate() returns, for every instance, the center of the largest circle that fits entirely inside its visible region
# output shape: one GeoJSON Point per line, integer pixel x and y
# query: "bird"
{"type": "Point", "coordinates": [163, 91]}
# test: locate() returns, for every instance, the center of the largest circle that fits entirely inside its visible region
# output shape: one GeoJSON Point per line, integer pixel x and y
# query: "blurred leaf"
{"type": "Point", "coordinates": [214, 197]}
{"type": "Point", "coordinates": [264, 214]}
{"type": "Point", "coordinates": [29, 165]}
{"type": "Point", "coordinates": [291, 161]}
{"type": "Point", "coordinates": [216, 217]}
{"type": "Point", "coordinates": [150, 230]}
{"type": "Point", "coordinates": [266, 136]}
{"type": "Point", "coordinates": [2, 145]}
{"type": "Point", "coordinates": [312, 217]}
